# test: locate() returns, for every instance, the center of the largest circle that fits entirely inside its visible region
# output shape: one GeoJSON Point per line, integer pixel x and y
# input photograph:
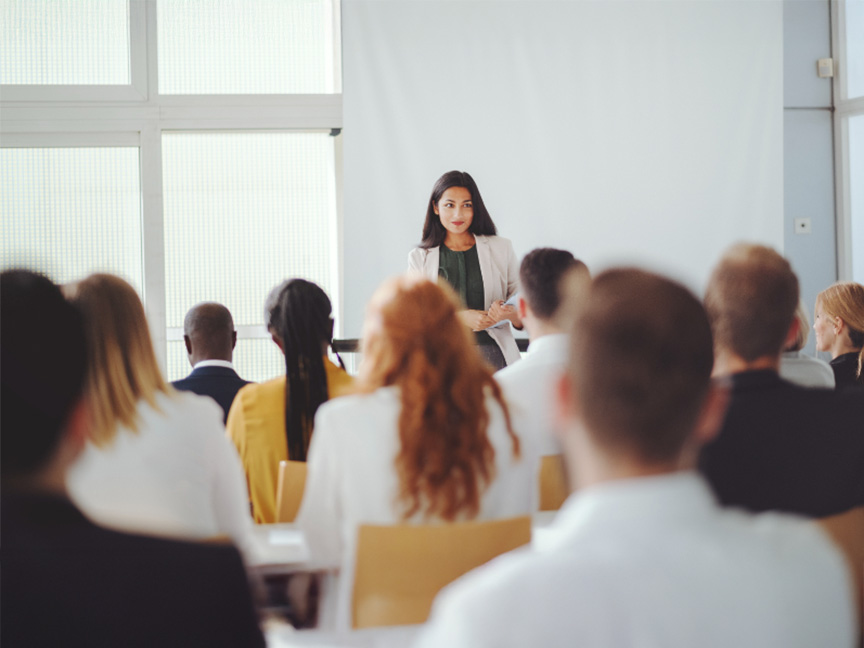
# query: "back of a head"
{"type": "Point", "coordinates": [298, 313]}
{"type": "Point", "coordinates": [122, 363]}
{"type": "Point", "coordinates": [541, 274]}
{"type": "Point", "coordinates": [42, 369]}
{"type": "Point", "coordinates": [641, 360]}
{"type": "Point", "coordinates": [751, 299]}
{"type": "Point", "coordinates": [413, 339]}
{"type": "Point", "coordinates": [210, 328]}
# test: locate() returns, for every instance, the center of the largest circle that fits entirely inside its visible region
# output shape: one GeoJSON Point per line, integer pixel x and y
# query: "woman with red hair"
{"type": "Point", "coordinates": [427, 438]}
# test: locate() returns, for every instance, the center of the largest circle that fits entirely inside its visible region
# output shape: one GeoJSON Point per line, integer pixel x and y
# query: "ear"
{"type": "Point", "coordinates": [839, 325]}
{"type": "Point", "coordinates": [567, 407]}
{"type": "Point", "coordinates": [523, 308]}
{"type": "Point", "coordinates": [78, 427]}
{"type": "Point", "coordinates": [713, 412]}
{"type": "Point", "coordinates": [278, 342]}
{"type": "Point", "coordinates": [792, 334]}
{"type": "Point", "coordinates": [233, 339]}
{"type": "Point", "coordinates": [188, 343]}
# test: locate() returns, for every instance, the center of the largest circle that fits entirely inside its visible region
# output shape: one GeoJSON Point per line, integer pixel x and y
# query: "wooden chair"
{"type": "Point", "coordinates": [400, 569]}
{"type": "Point", "coordinates": [847, 531]}
{"type": "Point", "coordinates": [289, 492]}
{"type": "Point", "coordinates": [553, 483]}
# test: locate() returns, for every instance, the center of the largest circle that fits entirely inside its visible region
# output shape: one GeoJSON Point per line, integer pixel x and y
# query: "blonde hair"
{"type": "Point", "coordinates": [415, 341]}
{"type": "Point", "coordinates": [845, 300]}
{"type": "Point", "coordinates": [122, 366]}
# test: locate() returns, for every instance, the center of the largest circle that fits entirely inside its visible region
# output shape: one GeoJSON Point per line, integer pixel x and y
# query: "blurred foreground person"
{"type": "Point", "coordinates": [210, 338]}
{"type": "Point", "coordinates": [65, 581]}
{"type": "Point", "coordinates": [782, 447]}
{"type": "Point", "coordinates": [641, 554]}
{"type": "Point", "coordinates": [427, 439]}
{"type": "Point", "coordinates": [157, 460]}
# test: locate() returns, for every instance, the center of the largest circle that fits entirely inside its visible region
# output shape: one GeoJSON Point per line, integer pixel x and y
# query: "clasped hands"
{"type": "Point", "coordinates": [478, 320]}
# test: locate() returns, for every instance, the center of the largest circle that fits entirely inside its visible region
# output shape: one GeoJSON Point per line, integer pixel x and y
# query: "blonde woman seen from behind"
{"type": "Point", "coordinates": [428, 438]}
{"type": "Point", "coordinates": [839, 330]}
{"type": "Point", "coordinates": [157, 461]}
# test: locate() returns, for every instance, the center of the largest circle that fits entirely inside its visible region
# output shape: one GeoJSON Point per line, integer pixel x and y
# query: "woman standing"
{"type": "Point", "coordinates": [272, 421]}
{"type": "Point", "coordinates": [460, 245]}
{"type": "Point", "coordinates": [839, 329]}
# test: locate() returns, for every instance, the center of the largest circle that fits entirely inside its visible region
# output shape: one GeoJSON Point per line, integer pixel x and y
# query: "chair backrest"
{"type": "Point", "coordinates": [553, 483]}
{"type": "Point", "coordinates": [400, 569]}
{"type": "Point", "coordinates": [289, 491]}
{"type": "Point", "coordinates": [847, 531]}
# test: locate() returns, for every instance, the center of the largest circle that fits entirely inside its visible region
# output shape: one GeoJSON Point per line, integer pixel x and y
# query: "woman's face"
{"type": "Point", "coordinates": [456, 210]}
{"type": "Point", "coordinates": [823, 324]}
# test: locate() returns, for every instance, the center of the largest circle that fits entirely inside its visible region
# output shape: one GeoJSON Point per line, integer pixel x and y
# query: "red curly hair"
{"type": "Point", "coordinates": [415, 341]}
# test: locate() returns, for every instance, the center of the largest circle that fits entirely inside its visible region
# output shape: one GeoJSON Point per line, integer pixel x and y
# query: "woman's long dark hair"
{"type": "Point", "coordinates": [298, 313]}
{"type": "Point", "coordinates": [433, 231]}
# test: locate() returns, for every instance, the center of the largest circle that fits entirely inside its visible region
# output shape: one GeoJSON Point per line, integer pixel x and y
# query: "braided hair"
{"type": "Point", "coordinates": [298, 313]}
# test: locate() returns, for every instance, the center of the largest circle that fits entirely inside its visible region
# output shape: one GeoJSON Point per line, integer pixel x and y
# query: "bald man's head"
{"type": "Point", "coordinates": [208, 331]}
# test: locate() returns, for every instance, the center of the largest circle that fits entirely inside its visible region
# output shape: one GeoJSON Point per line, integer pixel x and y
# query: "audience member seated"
{"type": "Point", "coordinates": [65, 581]}
{"type": "Point", "coordinates": [839, 329]}
{"type": "Point", "coordinates": [802, 369]}
{"type": "Point", "coordinates": [641, 554]}
{"type": "Point", "coordinates": [781, 447]}
{"type": "Point", "coordinates": [529, 385]}
{"type": "Point", "coordinates": [427, 438]}
{"type": "Point", "coordinates": [210, 338]}
{"type": "Point", "coordinates": [272, 421]}
{"type": "Point", "coordinates": [157, 460]}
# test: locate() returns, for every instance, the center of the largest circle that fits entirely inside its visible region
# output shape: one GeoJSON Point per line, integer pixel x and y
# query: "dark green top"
{"type": "Point", "coordinates": [462, 271]}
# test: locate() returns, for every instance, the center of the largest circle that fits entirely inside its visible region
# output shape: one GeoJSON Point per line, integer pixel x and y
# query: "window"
{"type": "Point", "coordinates": [201, 167]}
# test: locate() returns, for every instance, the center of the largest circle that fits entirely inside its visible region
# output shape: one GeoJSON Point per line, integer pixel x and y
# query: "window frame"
{"type": "Point", "coordinates": [67, 116]}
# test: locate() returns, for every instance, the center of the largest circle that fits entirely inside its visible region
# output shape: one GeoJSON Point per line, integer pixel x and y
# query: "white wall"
{"type": "Point", "coordinates": [644, 132]}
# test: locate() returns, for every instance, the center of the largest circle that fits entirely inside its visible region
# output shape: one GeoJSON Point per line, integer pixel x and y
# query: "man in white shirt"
{"type": "Point", "coordinates": [641, 555]}
{"type": "Point", "coordinates": [529, 385]}
{"type": "Point", "coordinates": [210, 338]}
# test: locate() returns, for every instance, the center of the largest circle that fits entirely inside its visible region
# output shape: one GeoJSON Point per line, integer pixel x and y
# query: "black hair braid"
{"type": "Point", "coordinates": [302, 321]}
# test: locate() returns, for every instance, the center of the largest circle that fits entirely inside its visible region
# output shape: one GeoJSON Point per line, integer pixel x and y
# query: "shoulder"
{"type": "Point", "coordinates": [356, 411]}
{"type": "Point", "coordinates": [252, 392]}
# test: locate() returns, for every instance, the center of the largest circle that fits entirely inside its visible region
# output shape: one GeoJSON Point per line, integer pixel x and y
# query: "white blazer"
{"type": "Point", "coordinates": [500, 271]}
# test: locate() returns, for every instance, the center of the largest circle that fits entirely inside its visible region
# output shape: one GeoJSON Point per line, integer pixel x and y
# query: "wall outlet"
{"type": "Point", "coordinates": [803, 226]}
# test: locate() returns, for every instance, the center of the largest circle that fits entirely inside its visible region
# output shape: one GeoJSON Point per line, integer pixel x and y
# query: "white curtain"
{"type": "Point", "coordinates": [645, 132]}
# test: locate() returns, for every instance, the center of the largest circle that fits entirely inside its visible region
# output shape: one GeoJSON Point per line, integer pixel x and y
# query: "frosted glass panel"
{"type": "Point", "coordinates": [854, 48]}
{"type": "Point", "coordinates": [254, 359]}
{"type": "Point", "coordinates": [69, 212]}
{"type": "Point", "coordinates": [242, 212]}
{"type": "Point", "coordinates": [856, 187]}
{"type": "Point", "coordinates": [67, 42]}
{"type": "Point", "coordinates": [246, 46]}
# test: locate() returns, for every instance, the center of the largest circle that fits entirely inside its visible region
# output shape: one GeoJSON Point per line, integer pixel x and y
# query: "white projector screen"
{"type": "Point", "coordinates": [645, 132]}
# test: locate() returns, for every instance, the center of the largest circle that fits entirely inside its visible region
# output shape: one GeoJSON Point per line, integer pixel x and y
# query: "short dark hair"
{"type": "Point", "coordinates": [210, 327]}
{"type": "Point", "coordinates": [751, 299]}
{"type": "Point", "coordinates": [434, 233]}
{"type": "Point", "coordinates": [540, 276]}
{"type": "Point", "coordinates": [43, 365]}
{"type": "Point", "coordinates": [641, 359]}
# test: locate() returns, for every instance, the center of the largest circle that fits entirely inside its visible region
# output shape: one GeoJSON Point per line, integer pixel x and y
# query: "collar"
{"type": "Point", "coordinates": [554, 344]}
{"type": "Point", "coordinates": [214, 363]}
{"type": "Point", "coordinates": [680, 495]}
{"type": "Point", "coordinates": [756, 379]}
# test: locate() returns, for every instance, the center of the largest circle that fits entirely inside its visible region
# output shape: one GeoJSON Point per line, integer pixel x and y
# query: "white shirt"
{"type": "Point", "coordinates": [803, 370]}
{"type": "Point", "coordinates": [530, 388]}
{"type": "Point", "coordinates": [352, 479]}
{"type": "Point", "coordinates": [177, 476]}
{"type": "Point", "coordinates": [214, 363]}
{"type": "Point", "coordinates": [654, 563]}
